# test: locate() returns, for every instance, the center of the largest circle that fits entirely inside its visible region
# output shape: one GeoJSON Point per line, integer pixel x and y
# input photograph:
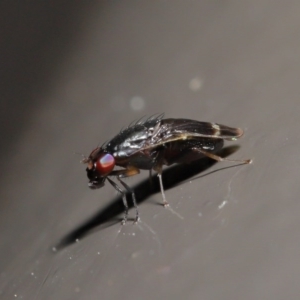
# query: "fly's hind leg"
{"type": "Point", "coordinates": [219, 158]}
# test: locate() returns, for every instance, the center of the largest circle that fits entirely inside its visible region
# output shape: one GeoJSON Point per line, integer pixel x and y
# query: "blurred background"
{"type": "Point", "coordinates": [73, 73]}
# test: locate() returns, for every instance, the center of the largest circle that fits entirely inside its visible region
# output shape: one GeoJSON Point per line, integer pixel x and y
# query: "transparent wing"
{"type": "Point", "coordinates": [171, 130]}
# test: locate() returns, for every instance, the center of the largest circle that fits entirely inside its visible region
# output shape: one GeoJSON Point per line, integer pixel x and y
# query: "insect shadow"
{"type": "Point", "coordinates": [172, 176]}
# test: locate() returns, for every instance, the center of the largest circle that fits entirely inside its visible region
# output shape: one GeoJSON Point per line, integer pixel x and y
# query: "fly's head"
{"type": "Point", "coordinates": [99, 165]}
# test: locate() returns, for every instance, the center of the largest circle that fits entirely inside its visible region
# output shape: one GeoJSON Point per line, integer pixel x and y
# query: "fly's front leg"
{"type": "Point", "coordinates": [126, 173]}
{"type": "Point", "coordinates": [137, 216]}
{"type": "Point", "coordinates": [123, 194]}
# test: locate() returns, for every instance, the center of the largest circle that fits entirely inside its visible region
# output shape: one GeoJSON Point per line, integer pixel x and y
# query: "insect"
{"type": "Point", "coordinates": [149, 145]}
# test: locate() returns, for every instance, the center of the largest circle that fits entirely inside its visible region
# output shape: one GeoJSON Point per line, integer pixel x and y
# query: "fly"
{"type": "Point", "coordinates": [149, 145]}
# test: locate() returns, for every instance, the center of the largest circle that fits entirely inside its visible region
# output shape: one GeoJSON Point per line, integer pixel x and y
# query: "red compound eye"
{"type": "Point", "coordinates": [105, 164]}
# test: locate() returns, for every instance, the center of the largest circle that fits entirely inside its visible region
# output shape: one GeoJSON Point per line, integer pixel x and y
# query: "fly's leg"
{"type": "Point", "coordinates": [122, 174]}
{"type": "Point", "coordinates": [158, 166]}
{"type": "Point", "coordinates": [158, 169]}
{"type": "Point", "coordinates": [123, 194]}
{"type": "Point", "coordinates": [165, 202]}
{"type": "Point", "coordinates": [137, 217]}
{"type": "Point", "coordinates": [219, 158]}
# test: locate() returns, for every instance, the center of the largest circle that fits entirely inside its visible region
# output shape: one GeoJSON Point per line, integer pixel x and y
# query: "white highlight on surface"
{"type": "Point", "coordinates": [222, 204]}
{"type": "Point", "coordinates": [135, 255]}
{"type": "Point", "coordinates": [196, 84]}
{"type": "Point", "coordinates": [137, 103]}
{"type": "Point", "coordinates": [174, 212]}
{"type": "Point", "coordinates": [155, 236]}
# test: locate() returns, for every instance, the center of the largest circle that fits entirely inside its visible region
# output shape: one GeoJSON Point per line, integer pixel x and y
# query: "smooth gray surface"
{"type": "Point", "coordinates": [71, 76]}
